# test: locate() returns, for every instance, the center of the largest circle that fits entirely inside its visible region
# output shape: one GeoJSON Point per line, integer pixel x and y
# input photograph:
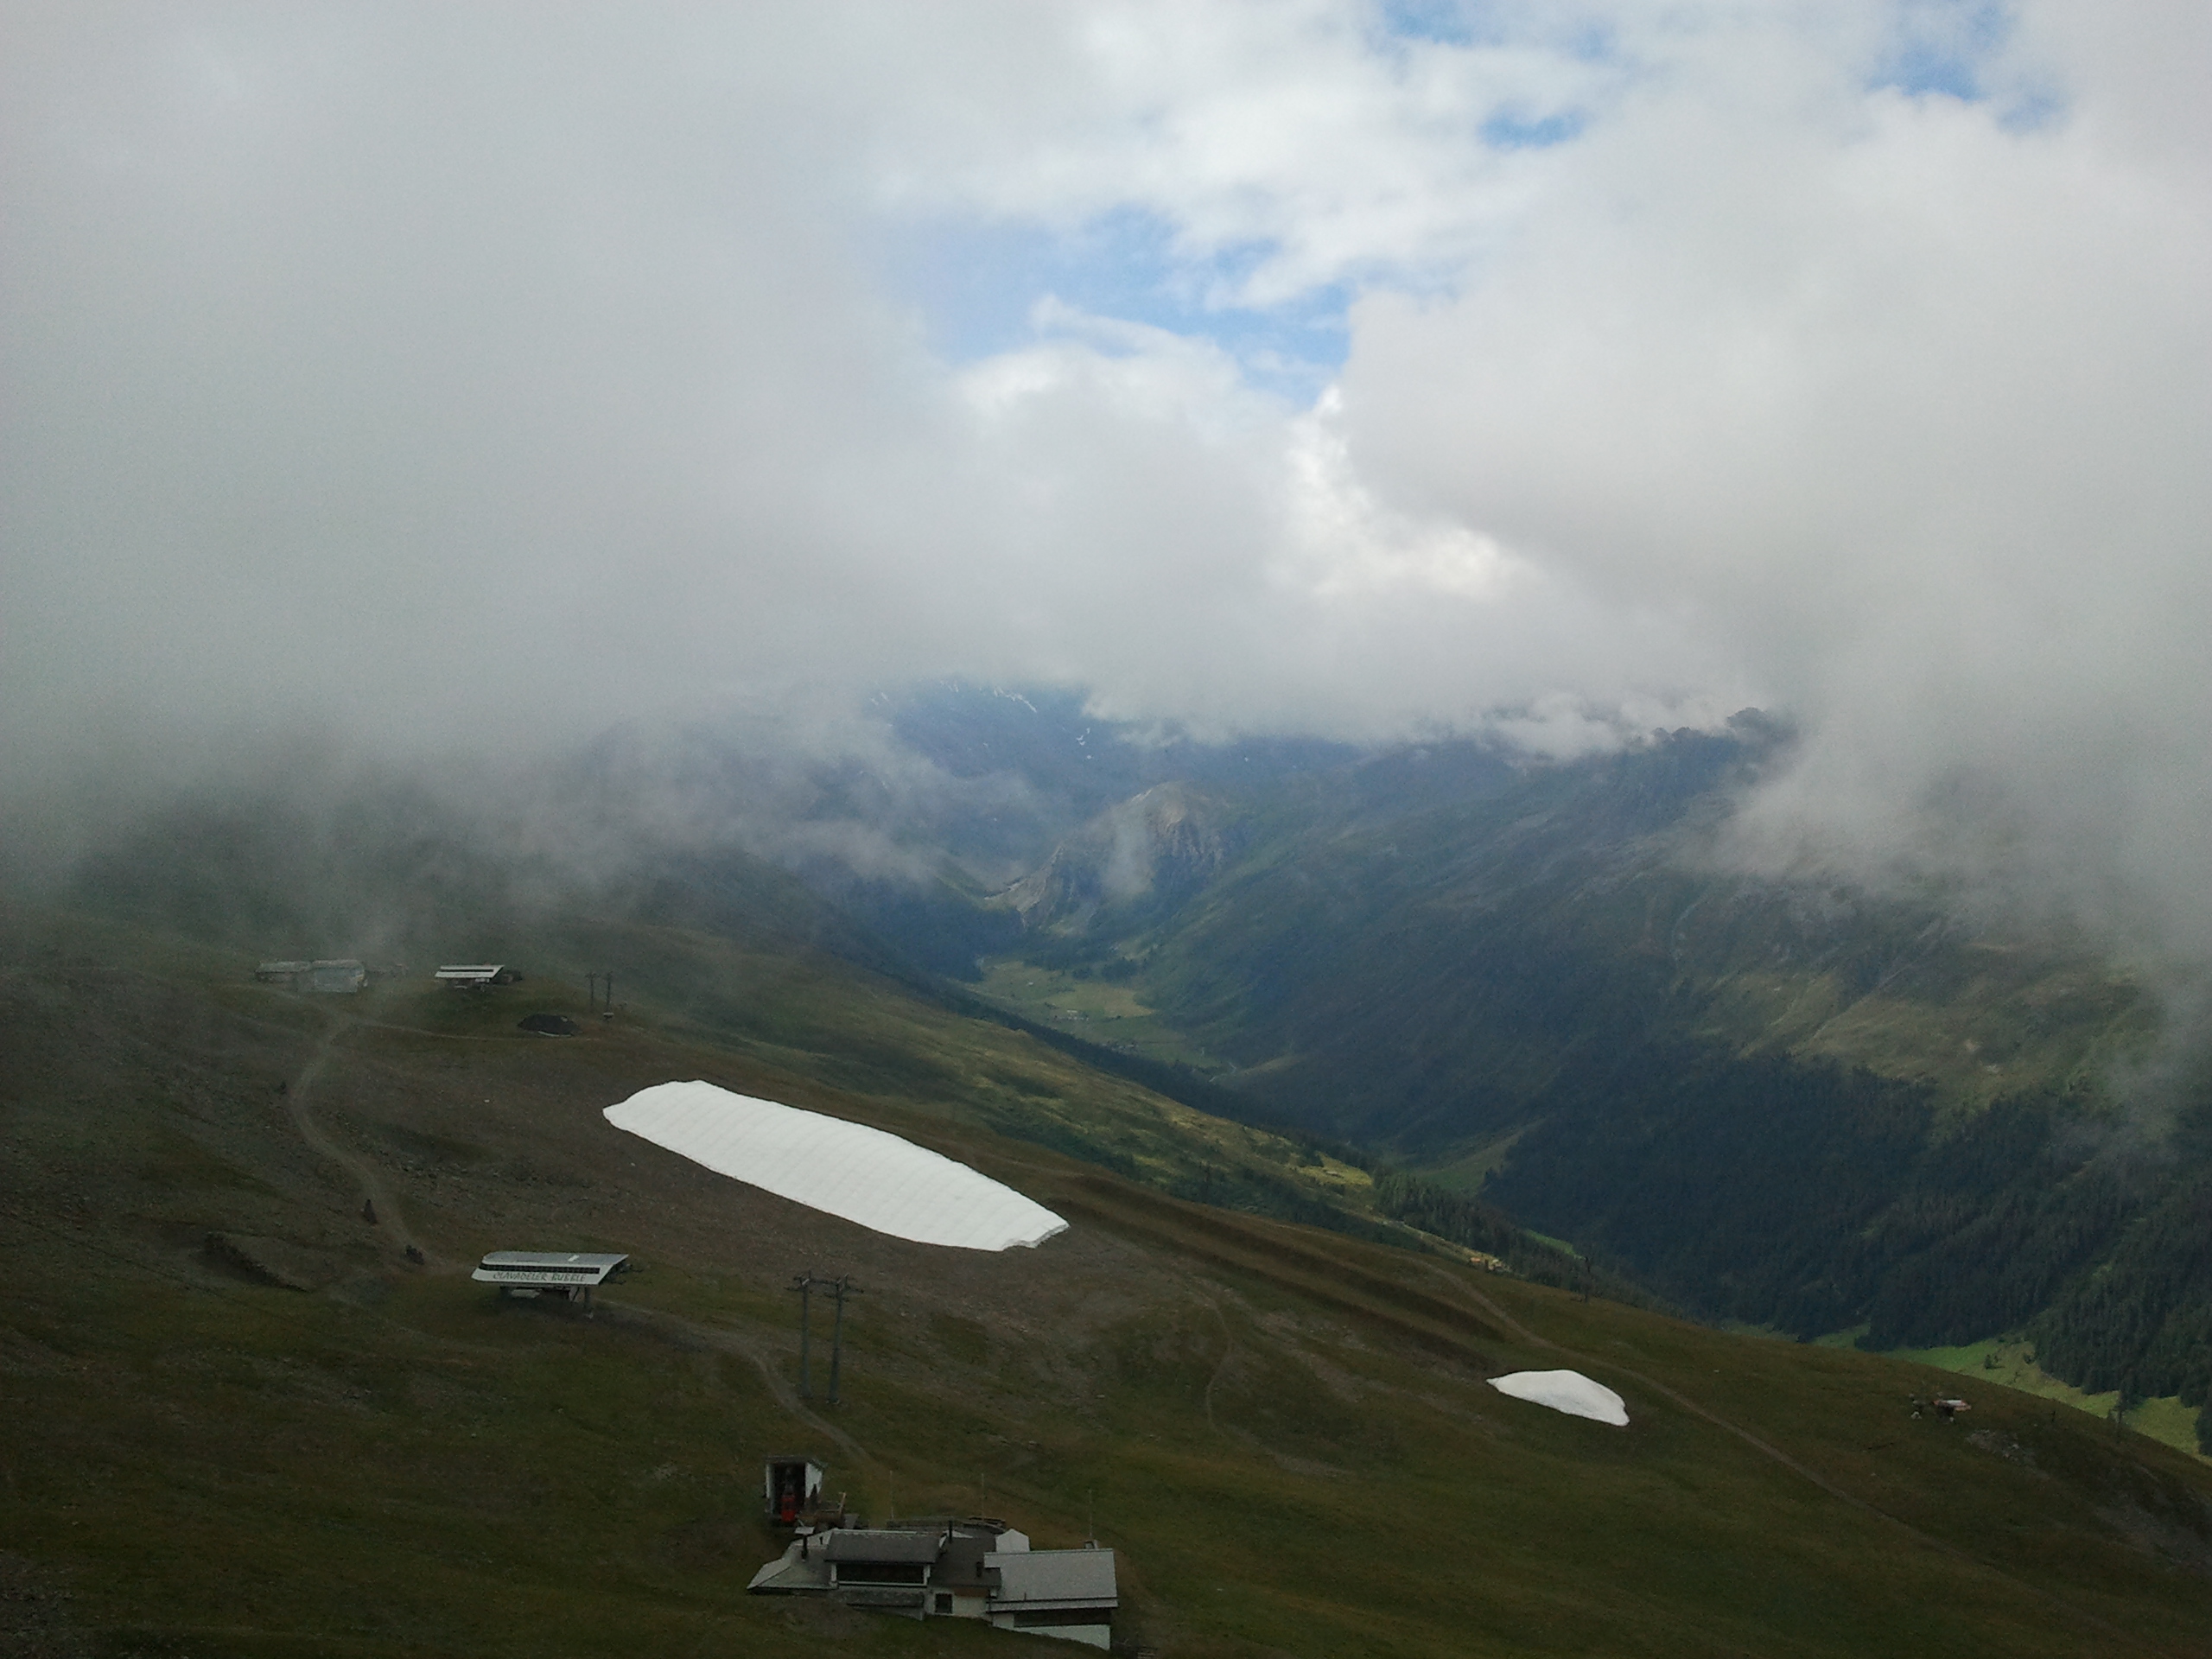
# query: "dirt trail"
{"type": "Point", "coordinates": [1228, 1353]}
{"type": "Point", "coordinates": [1766, 1450]}
{"type": "Point", "coordinates": [373, 1190]}
{"type": "Point", "coordinates": [690, 1333]}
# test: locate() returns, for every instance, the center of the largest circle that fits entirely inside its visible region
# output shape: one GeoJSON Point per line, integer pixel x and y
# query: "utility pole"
{"type": "Point", "coordinates": [804, 1283]}
{"type": "Point", "coordinates": [591, 993]}
{"type": "Point", "coordinates": [840, 1287]}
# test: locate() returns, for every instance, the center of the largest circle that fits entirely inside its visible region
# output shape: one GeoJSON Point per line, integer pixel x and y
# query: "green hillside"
{"type": "Point", "coordinates": [1794, 1105]}
{"type": "Point", "coordinates": [1284, 1432]}
{"type": "Point", "coordinates": [724, 947]}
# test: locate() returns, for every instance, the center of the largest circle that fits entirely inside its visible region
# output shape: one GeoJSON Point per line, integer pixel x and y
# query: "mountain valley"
{"type": "Point", "coordinates": [1361, 1078]}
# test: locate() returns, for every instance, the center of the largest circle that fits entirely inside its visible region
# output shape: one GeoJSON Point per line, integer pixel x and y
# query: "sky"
{"type": "Point", "coordinates": [460, 377]}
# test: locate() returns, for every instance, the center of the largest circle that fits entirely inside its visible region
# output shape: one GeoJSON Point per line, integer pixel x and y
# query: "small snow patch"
{"type": "Point", "coordinates": [1568, 1391]}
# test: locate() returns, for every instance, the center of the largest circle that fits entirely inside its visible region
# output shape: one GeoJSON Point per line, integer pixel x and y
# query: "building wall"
{"type": "Point", "coordinates": [1097, 1636]}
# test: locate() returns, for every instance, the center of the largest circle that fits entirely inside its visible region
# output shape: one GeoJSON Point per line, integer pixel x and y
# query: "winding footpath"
{"type": "Point", "coordinates": [373, 1190]}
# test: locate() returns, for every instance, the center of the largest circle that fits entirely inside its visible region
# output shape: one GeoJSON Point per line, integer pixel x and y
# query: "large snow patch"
{"type": "Point", "coordinates": [1568, 1391]}
{"type": "Point", "coordinates": [848, 1169]}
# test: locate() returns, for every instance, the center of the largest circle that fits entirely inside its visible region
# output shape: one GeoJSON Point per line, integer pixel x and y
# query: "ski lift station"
{"type": "Point", "coordinates": [337, 976]}
{"type": "Point", "coordinates": [475, 975]}
{"type": "Point", "coordinates": [942, 1567]}
{"type": "Point", "coordinates": [535, 1272]}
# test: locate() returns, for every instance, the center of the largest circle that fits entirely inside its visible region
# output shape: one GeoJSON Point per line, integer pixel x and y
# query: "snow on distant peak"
{"type": "Point", "coordinates": [1568, 1391]}
{"type": "Point", "coordinates": [849, 1170]}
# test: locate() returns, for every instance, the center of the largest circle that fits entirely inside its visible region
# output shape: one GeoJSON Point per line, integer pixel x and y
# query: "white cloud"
{"type": "Point", "coordinates": [469, 378]}
{"type": "Point", "coordinates": [1901, 398]}
{"type": "Point", "coordinates": [1301, 136]}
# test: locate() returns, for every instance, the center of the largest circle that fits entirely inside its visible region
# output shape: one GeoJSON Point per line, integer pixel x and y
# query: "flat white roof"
{"type": "Point", "coordinates": [545, 1268]}
{"type": "Point", "coordinates": [863, 1174]}
{"type": "Point", "coordinates": [1055, 1575]}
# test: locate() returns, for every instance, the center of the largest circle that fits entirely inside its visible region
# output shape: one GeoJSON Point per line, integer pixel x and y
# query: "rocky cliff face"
{"type": "Point", "coordinates": [1162, 845]}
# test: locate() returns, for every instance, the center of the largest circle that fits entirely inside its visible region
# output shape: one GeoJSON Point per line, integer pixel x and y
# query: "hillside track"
{"type": "Point", "coordinates": [693, 1335]}
{"type": "Point", "coordinates": [1279, 1253]}
{"type": "Point", "coordinates": [1221, 1368]}
{"type": "Point", "coordinates": [398, 1462]}
{"type": "Point", "coordinates": [1246, 1245]}
{"type": "Point", "coordinates": [374, 1190]}
{"type": "Point", "coordinates": [1775, 1454]}
{"type": "Point", "coordinates": [1924, 1539]}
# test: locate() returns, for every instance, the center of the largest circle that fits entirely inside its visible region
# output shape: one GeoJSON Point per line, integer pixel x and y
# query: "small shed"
{"type": "Point", "coordinates": [792, 1482]}
{"type": "Point", "coordinates": [539, 1273]}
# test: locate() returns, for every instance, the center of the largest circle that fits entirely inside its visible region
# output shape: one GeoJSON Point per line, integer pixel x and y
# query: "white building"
{"type": "Point", "coordinates": [550, 1273]}
{"type": "Point", "coordinates": [475, 975]}
{"type": "Point", "coordinates": [333, 976]}
{"type": "Point", "coordinates": [975, 1568]}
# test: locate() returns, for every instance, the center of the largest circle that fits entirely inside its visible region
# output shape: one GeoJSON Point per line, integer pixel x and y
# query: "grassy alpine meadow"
{"type": "Point", "coordinates": [1286, 1433]}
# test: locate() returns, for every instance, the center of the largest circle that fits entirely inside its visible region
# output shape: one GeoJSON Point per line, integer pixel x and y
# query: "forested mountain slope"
{"type": "Point", "coordinates": [1796, 1104]}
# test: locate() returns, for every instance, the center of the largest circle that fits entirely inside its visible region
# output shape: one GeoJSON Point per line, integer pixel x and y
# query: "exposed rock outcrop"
{"type": "Point", "coordinates": [1166, 842]}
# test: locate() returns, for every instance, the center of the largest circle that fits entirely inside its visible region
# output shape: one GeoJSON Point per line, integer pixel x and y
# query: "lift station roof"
{"type": "Point", "coordinates": [546, 1268]}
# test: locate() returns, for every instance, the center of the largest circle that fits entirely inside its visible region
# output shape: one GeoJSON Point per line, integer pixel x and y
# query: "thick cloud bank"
{"type": "Point", "coordinates": [454, 375]}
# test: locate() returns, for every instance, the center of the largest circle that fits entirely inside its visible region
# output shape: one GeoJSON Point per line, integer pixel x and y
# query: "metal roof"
{"type": "Point", "coordinates": [1054, 1575]}
{"type": "Point", "coordinates": [798, 1569]}
{"type": "Point", "coordinates": [884, 1546]}
{"type": "Point", "coordinates": [470, 970]}
{"type": "Point", "coordinates": [546, 1268]}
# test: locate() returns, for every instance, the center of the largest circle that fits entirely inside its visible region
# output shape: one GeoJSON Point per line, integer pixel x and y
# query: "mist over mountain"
{"type": "Point", "coordinates": [1563, 638]}
{"type": "Point", "coordinates": [416, 382]}
{"type": "Point", "coordinates": [1907, 1115]}
{"type": "Point", "coordinates": [1281, 513]}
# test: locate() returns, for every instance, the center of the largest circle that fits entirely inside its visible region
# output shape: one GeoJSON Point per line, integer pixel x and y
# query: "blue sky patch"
{"type": "Point", "coordinates": [1523, 132]}
{"type": "Point", "coordinates": [1922, 68]}
{"type": "Point", "coordinates": [978, 284]}
{"type": "Point", "coordinates": [1941, 47]}
{"type": "Point", "coordinates": [1445, 22]}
